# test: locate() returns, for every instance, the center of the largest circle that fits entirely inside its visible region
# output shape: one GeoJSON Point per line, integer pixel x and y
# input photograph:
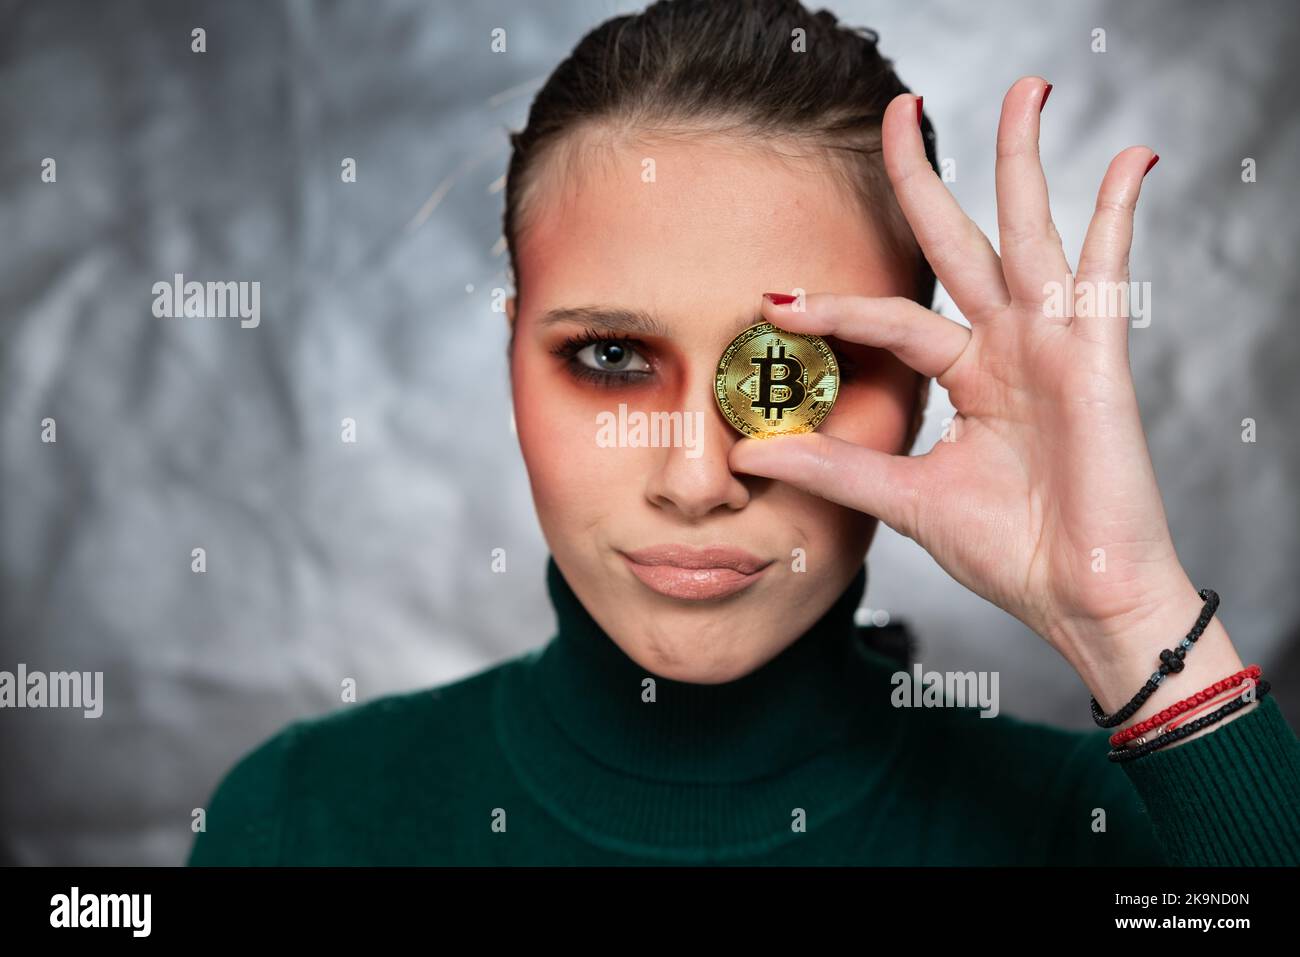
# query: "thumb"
{"type": "Point", "coordinates": [868, 480]}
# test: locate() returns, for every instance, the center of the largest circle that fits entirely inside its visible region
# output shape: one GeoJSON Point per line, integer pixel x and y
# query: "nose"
{"type": "Point", "coordinates": [696, 485]}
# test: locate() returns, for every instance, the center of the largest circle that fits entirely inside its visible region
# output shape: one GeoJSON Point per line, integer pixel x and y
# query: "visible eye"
{"type": "Point", "coordinates": [603, 360]}
{"type": "Point", "coordinates": [613, 356]}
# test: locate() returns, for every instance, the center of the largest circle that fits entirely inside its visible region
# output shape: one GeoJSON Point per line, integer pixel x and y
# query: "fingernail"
{"type": "Point", "coordinates": [919, 101]}
{"type": "Point", "coordinates": [778, 298]}
{"type": "Point", "coordinates": [1046, 91]}
{"type": "Point", "coordinates": [1154, 160]}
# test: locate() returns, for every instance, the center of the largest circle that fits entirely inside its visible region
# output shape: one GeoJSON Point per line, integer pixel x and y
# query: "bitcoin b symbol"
{"type": "Point", "coordinates": [780, 382]}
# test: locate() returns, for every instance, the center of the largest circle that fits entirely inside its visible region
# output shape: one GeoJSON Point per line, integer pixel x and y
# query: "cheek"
{"type": "Point", "coordinates": [875, 410]}
{"type": "Point", "coordinates": [832, 534]}
{"type": "Point", "coordinates": [571, 476]}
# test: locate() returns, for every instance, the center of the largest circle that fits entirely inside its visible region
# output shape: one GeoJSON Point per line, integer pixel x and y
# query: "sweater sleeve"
{"type": "Point", "coordinates": [1230, 797]}
{"type": "Point", "coordinates": [242, 826]}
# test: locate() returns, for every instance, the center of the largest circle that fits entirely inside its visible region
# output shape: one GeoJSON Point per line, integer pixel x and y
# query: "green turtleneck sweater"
{"type": "Point", "coordinates": [556, 757]}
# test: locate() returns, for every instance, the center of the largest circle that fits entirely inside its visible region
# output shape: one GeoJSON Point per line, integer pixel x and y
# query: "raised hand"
{"type": "Point", "coordinates": [1041, 497]}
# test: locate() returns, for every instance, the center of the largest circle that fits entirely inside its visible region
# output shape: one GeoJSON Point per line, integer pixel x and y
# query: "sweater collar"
{"type": "Point", "coordinates": [704, 771]}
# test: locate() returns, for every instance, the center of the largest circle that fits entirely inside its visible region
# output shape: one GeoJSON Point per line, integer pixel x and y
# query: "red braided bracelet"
{"type": "Point", "coordinates": [1174, 710]}
{"type": "Point", "coordinates": [1234, 693]}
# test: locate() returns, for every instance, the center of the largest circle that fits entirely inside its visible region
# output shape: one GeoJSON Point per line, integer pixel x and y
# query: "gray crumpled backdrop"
{"type": "Point", "coordinates": [370, 561]}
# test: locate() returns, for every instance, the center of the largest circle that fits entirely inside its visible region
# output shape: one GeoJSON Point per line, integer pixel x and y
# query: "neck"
{"type": "Point", "coordinates": [702, 732]}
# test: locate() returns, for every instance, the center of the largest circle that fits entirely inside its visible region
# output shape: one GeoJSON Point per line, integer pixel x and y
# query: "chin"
{"type": "Point", "coordinates": [688, 659]}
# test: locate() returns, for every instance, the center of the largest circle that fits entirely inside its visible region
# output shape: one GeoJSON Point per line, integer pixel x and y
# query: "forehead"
{"type": "Point", "coordinates": [694, 222]}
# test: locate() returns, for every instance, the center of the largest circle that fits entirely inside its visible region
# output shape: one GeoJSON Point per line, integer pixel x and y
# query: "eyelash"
{"type": "Point", "coordinates": [571, 346]}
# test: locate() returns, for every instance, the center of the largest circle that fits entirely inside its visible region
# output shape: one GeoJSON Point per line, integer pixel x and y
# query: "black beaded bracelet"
{"type": "Point", "coordinates": [1171, 662]}
{"type": "Point", "coordinates": [1127, 754]}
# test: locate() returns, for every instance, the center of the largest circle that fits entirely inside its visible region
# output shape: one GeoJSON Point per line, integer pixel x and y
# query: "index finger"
{"type": "Point", "coordinates": [919, 337]}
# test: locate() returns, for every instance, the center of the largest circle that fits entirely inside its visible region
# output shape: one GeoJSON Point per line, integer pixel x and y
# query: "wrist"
{"type": "Point", "coordinates": [1168, 600]}
{"type": "Point", "coordinates": [1122, 655]}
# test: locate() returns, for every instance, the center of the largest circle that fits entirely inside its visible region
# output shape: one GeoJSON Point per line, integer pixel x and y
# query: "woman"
{"type": "Point", "coordinates": [707, 697]}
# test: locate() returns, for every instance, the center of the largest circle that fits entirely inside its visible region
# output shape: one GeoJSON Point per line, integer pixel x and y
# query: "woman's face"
{"type": "Point", "coordinates": [689, 241]}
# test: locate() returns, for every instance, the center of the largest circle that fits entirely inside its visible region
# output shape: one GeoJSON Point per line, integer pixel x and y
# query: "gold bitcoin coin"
{"type": "Point", "coordinates": [773, 382]}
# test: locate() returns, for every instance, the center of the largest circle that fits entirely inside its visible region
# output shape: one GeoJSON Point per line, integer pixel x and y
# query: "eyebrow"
{"type": "Point", "coordinates": [630, 320]}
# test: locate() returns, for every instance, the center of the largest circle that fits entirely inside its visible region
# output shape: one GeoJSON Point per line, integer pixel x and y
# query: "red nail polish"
{"type": "Point", "coordinates": [778, 298]}
{"type": "Point", "coordinates": [919, 101]}
{"type": "Point", "coordinates": [1046, 91]}
{"type": "Point", "coordinates": [1154, 160]}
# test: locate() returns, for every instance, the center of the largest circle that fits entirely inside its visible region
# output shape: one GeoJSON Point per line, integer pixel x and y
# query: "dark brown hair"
{"type": "Point", "coordinates": [731, 66]}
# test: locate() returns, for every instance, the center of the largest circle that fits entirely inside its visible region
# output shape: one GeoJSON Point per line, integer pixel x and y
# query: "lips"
{"type": "Point", "coordinates": [693, 572]}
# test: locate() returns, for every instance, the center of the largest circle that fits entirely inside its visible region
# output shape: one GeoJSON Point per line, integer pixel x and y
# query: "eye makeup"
{"type": "Point", "coordinates": [571, 348]}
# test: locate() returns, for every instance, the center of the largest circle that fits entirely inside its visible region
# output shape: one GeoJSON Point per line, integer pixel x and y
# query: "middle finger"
{"type": "Point", "coordinates": [1030, 246]}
